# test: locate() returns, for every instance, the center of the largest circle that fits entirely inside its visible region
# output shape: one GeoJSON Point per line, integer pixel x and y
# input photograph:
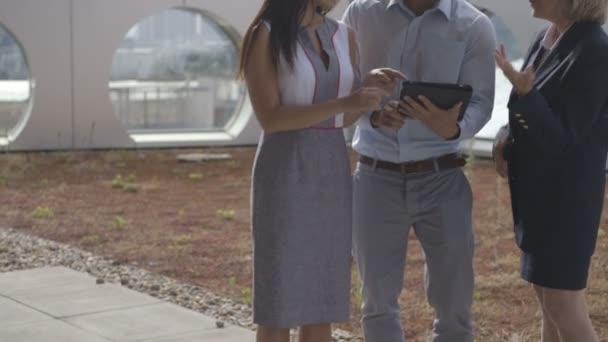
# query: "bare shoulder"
{"type": "Point", "coordinates": [259, 56]}
{"type": "Point", "coordinates": [263, 31]}
{"type": "Point", "coordinates": [261, 40]}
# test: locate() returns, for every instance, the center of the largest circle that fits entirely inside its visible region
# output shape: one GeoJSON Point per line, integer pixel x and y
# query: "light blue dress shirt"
{"type": "Point", "coordinates": [453, 43]}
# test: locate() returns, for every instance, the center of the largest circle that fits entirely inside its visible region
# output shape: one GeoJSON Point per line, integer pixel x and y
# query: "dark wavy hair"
{"type": "Point", "coordinates": [284, 16]}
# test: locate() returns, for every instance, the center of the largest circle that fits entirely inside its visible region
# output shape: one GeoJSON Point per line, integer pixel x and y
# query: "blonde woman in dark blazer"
{"type": "Point", "coordinates": [554, 154]}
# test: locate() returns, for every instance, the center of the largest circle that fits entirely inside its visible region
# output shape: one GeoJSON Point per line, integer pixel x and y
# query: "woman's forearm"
{"type": "Point", "coordinates": [351, 118]}
{"type": "Point", "coordinates": [292, 117]}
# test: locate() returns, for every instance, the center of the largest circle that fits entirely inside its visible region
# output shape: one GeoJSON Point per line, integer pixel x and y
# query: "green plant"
{"type": "Point", "coordinates": [42, 212]}
{"type": "Point", "coordinates": [195, 176]}
{"type": "Point", "coordinates": [90, 240]}
{"type": "Point", "coordinates": [182, 240]}
{"type": "Point", "coordinates": [246, 295]}
{"type": "Point", "coordinates": [226, 214]}
{"type": "Point", "coordinates": [130, 178]}
{"type": "Point", "coordinates": [118, 182]}
{"type": "Point", "coordinates": [119, 222]}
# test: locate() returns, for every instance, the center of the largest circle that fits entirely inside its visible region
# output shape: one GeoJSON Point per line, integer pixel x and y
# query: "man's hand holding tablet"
{"type": "Point", "coordinates": [438, 105]}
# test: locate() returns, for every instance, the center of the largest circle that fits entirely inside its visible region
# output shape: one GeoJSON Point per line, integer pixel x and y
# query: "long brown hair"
{"type": "Point", "coordinates": [284, 16]}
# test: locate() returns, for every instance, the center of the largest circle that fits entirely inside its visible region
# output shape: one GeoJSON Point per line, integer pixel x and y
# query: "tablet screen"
{"type": "Point", "coordinates": [443, 95]}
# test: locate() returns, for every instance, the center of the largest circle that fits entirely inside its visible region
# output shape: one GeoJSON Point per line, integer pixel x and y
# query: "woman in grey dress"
{"type": "Point", "coordinates": [298, 66]}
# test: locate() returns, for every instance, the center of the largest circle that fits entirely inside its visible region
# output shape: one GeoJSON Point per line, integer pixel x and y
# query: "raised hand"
{"type": "Point", "coordinates": [362, 100]}
{"type": "Point", "coordinates": [384, 78]}
{"type": "Point", "coordinates": [522, 81]}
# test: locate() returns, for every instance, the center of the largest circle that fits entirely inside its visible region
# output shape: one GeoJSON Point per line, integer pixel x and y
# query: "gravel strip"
{"type": "Point", "coordinates": [20, 251]}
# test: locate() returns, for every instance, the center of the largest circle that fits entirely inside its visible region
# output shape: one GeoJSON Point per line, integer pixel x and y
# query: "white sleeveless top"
{"type": "Point", "coordinates": [309, 81]}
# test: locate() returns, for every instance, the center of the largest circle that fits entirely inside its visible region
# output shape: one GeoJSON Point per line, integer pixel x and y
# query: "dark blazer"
{"type": "Point", "coordinates": [558, 144]}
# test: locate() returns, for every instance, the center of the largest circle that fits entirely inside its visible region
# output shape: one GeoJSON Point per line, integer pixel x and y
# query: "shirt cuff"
{"type": "Point", "coordinates": [458, 134]}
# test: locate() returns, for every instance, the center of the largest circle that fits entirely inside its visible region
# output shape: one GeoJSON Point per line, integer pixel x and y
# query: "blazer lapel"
{"type": "Point", "coordinates": [546, 68]}
{"type": "Point", "coordinates": [563, 55]}
{"type": "Point", "coordinates": [556, 65]}
{"type": "Point", "coordinates": [533, 51]}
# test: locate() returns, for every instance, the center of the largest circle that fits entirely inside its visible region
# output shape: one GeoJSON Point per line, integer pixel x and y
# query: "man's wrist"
{"type": "Point", "coordinates": [457, 134]}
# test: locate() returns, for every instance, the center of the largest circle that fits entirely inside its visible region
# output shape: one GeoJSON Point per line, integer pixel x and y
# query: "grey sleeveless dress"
{"type": "Point", "coordinates": [301, 213]}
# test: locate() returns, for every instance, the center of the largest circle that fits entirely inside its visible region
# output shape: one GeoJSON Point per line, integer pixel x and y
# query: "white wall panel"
{"type": "Point", "coordinates": [43, 29]}
{"type": "Point", "coordinates": [99, 28]}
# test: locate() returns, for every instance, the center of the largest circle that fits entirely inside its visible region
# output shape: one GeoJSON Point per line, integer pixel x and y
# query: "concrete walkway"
{"type": "Point", "coordinates": [61, 305]}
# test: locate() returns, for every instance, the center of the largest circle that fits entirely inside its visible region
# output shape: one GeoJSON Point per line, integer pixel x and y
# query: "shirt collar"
{"type": "Point", "coordinates": [445, 6]}
{"type": "Point", "coordinates": [552, 31]}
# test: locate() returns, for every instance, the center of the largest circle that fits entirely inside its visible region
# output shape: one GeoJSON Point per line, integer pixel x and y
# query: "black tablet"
{"type": "Point", "coordinates": [443, 95]}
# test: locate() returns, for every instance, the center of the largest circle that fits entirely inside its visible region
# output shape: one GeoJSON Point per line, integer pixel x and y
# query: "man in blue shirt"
{"type": "Point", "coordinates": [409, 172]}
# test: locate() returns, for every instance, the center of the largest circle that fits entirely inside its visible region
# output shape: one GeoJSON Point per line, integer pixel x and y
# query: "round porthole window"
{"type": "Point", "coordinates": [174, 72]}
{"type": "Point", "coordinates": [15, 86]}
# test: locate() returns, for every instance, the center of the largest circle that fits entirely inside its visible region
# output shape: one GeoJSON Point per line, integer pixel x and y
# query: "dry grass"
{"type": "Point", "coordinates": [191, 222]}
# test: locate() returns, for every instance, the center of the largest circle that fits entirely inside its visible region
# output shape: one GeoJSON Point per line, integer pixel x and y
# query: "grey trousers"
{"type": "Point", "coordinates": [438, 206]}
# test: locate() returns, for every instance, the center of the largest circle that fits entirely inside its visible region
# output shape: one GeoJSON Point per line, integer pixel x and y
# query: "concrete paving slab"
{"type": "Point", "coordinates": [13, 313]}
{"type": "Point", "coordinates": [64, 302]}
{"type": "Point", "coordinates": [19, 281]}
{"type": "Point", "coordinates": [47, 331]}
{"type": "Point", "coordinates": [144, 322]}
{"type": "Point", "coordinates": [56, 289]}
{"type": "Point", "coordinates": [86, 312]}
{"type": "Point", "coordinates": [231, 334]}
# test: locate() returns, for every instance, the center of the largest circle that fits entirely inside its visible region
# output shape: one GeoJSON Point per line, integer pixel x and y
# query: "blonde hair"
{"type": "Point", "coordinates": [585, 10]}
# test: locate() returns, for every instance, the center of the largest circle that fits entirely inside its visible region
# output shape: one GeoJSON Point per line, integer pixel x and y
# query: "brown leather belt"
{"type": "Point", "coordinates": [445, 162]}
